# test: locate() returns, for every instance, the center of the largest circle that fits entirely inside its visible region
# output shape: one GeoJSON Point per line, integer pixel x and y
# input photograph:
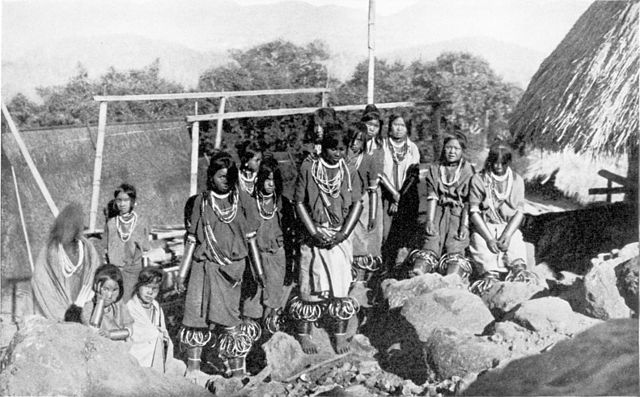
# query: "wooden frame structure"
{"type": "Point", "coordinates": [195, 120]}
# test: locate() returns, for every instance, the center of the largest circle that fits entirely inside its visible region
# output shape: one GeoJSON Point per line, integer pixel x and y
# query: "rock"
{"type": "Point", "coordinates": [452, 353]}
{"type": "Point", "coordinates": [597, 295]}
{"type": "Point", "coordinates": [522, 341]}
{"type": "Point", "coordinates": [544, 271]}
{"type": "Point", "coordinates": [447, 308]}
{"type": "Point", "coordinates": [627, 276]}
{"type": "Point", "coordinates": [222, 386]}
{"type": "Point", "coordinates": [603, 360]}
{"type": "Point", "coordinates": [504, 296]}
{"type": "Point", "coordinates": [50, 358]}
{"type": "Point", "coordinates": [398, 292]}
{"type": "Point", "coordinates": [550, 315]}
{"type": "Point", "coordinates": [266, 389]}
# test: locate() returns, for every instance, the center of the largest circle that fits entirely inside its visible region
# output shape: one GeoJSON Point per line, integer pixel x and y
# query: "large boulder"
{"type": "Point", "coordinates": [597, 294]}
{"type": "Point", "coordinates": [550, 315]}
{"type": "Point", "coordinates": [447, 308]}
{"type": "Point", "coordinates": [627, 275]}
{"type": "Point", "coordinates": [451, 353]}
{"type": "Point", "coordinates": [502, 297]}
{"type": "Point", "coordinates": [398, 292]}
{"type": "Point", "coordinates": [600, 361]}
{"type": "Point", "coordinates": [49, 358]}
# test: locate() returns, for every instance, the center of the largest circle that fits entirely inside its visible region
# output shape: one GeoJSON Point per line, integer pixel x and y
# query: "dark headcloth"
{"type": "Point", "coordinates": [456, 134]}
{"type": "Point", "coordinates": [371, 112]}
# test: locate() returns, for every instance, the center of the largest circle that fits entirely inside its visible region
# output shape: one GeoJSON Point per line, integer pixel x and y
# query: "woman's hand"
{"type": "Point", "coordinates": [492, 244]}
{"type": "Point", "coordinates": [503, 242]}
{"type": "Point", "coordinates": [393, 208]}
{"type": "Point", "coordinates": [463, 233]}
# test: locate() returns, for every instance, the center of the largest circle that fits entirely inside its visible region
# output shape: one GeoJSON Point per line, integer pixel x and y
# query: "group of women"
{"type": "Point", "coordinates": [355, 202]}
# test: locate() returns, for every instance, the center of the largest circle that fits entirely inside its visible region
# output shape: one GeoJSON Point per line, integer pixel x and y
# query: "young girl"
{"type": "Point", "coordinates": [496, 201]}
{"type": "Point", "coordinates": [127, 238]}
{"type": "Point", "coordinates": [364, 169]}
{"type": "Point", "coordinates": [329, 211]}
{"type": "Point", "coordinates": [400, 174]}
{"type": "Point", "coordinates": [106, 311]}
{"type": "Point", "coordinates": [250, 155]}
{"type": "Point", "coordinates": [214, 261]}
{"type": "Point", "coordinates": [65, 266]}
{"type": "Point", "coordinates": [447, 226]}
{"type": "Point", "coordinates": [151, 344]}
{"type": "Point", "coordinates": [373, 120]}
{"type": "Point", "coordinates": [266, 301]}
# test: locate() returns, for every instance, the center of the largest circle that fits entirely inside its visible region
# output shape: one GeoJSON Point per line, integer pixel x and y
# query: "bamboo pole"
{"type": "Point", "coordinates": [22, 222]}
{"type": "Point", "coordinates": [202, 95]}
{"type": "Point", "coordinates": [195, 144]}
{"type": "Point", "coordinates": [372, 56]}
{"type": "Point", "coordinates": [287, 112]}
{"type": "Point", "coordinates": [223, 101]}
{"type": "Point", "coordinates": [29, 160]}
{"type": "Point", "coordinates": [97, 166]}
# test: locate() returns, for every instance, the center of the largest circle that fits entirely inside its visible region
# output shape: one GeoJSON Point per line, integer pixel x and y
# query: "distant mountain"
{"type": "Point", "coordinates": [42, 41]}
{"type": "Point", "coordinates": [55, 63]}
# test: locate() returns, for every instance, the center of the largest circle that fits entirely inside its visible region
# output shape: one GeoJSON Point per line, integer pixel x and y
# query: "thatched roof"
{"type": "Point", "coordinates": [585, 94]}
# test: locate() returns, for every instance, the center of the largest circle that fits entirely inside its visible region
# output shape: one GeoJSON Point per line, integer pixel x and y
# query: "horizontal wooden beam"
{"type": "Point", "coordinates": [200, 95]}
{"type": "Point", "coordinates": [613, 177]}
{"type": "Point", "coordinates": [608, 190]}
{"type": "Point", "coordinates": [287, 112]}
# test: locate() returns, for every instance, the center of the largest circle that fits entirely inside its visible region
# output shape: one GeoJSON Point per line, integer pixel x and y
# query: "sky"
{"type": "Point", "coordinates": [383, 7]}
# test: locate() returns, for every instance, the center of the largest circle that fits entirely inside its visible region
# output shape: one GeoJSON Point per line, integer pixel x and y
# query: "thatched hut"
{"type": "Point", "coordinates": [584, 96]}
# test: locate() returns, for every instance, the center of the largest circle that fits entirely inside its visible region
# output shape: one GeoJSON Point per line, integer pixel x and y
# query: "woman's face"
{"type": "Point", "coordinates": [398, 129]}
{"type": "Point", "coordinates": [123, 203]}
{"type": "Point", "coordinates": [333, 155]}
{"type": "Point", "coordinates": [373, 127]}
{"type": "Point", "coordinates": [499, 168]}
{"type": "Point", "coordinates": [109, 291]}
{"type": "Point", "coordinates": [220, 181]}
{"type": "Point", "coordinates": [254, 163]}
{"type": "Point", "coordinates": [149, 292]}
{"type": "Point", "coordinates": [357, 144]}
{"type": "Point", "coordinates": [452, 151]}
{"type": "Point", "coordinates": [269, 185]}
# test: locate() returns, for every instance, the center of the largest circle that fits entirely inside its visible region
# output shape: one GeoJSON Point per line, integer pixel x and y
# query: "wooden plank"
{"type": "Point", "coordinates": [218, 141]}
{"type": "Point", "coordinates": [613, 177]}
{"type": "Point", "coordinates": [30, 163]}
{"type": "Point", "coordinates": [97, 166]}
{"type": "Point", "coordinates": [195, 146]}
{"type": "Point", "coordinates": [606, 190]}
{"type": "Point", "coordinates": [371, 48]}
{"type": "Point", "coordinates": [167, 234]}
{"type": "Point", "coordinates": [291, 111]}
{"type": "Point", "coordinates": [201, 95]}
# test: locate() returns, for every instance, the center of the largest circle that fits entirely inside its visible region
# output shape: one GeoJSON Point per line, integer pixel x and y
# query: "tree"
{"type": "Point", "coordinates": [23, 110]}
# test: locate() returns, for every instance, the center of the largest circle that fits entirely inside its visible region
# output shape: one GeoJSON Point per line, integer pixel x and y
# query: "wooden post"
{"type": "Point", "coordinates": [195, 145]}
{"type": "Point", "coordinates": [97, 166]}
{"type": "Point", "coordinates": [24, 225]}
{"type": "Point", "coordinates": [324, 100]}
{"type": "Point", "coordinates": [29, 160]}
{"type": "Point", "coordinates": [372, 56]}
{"type": "Point", "coordinates": [223, 101]}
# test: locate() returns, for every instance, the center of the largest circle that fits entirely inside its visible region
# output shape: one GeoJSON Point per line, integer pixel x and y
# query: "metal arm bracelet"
{"type": "Point", "coordinates": [384, 181]}
{"type": "Point", "coordinates": [514, 224]}
{"type": "Point", "coordinates": [301, 210]}
{"type": "Point", "coordinates": [189, 248]}
{"type": "Point", "coordinates": [352, 219]}
{"type": "Point", "coordinates": [119, 334]}
{"type": "Point", "coordinates": [413, 179]}
{"type": "Point", "coordinates": [481, 226]}
{"type": "Point", "coordinates": [98, 312]}
{"type": "Point", "coordinates": [373, 205]}
{"type": "Point", "coordinates": [255, 259]}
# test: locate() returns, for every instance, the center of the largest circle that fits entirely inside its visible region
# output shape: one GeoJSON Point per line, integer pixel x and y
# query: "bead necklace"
{"type": "Point", "coordinates": [456, 175]}
{"type": "Point", "coordinates": [495, 188]}
{"type": "Point", "coordinates": [329, 186]}
{"type": "Point", "coordinates": [125, 225]}
{"type": "Point", "coordinates": [67, 267]}
{"type": "Point", "coordinates": [225, 215]}
{"type": "Point", "coordinates": [247, 183]}
{"type": "Point", "coordinates": [398, 152]}
{"type": "Point", "coordinates": [261, 200]}
{"type": "Point", "coordinates": [357, 160]}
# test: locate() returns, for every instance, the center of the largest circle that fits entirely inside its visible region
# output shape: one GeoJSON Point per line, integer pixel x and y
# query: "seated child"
{"type": "Point", "coordinates": [151, 344]}
{"type": "Point", "coordinates": [106, 311]}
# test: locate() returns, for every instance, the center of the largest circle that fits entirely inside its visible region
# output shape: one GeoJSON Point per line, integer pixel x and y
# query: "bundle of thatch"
{"type": "Point", "coordinates": [585, 94]}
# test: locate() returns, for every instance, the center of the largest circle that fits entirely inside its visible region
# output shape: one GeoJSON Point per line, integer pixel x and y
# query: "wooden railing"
{"type": "Point", "coordinates": [610, 189]}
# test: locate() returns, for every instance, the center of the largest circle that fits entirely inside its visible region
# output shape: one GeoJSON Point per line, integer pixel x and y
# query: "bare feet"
{"type": "Point", "coordinates": [342, 345]}
{"type": "Point", "coordinates": [307, 345]}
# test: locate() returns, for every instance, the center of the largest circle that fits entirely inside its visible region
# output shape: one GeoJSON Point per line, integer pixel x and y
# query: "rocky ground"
{"type": "Point", "coordinates": [567, 334]}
